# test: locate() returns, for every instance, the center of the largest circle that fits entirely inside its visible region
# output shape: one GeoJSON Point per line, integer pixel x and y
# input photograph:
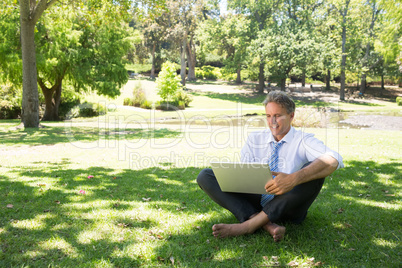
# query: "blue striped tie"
{"type": "Point", "coordinates": [273, 165]}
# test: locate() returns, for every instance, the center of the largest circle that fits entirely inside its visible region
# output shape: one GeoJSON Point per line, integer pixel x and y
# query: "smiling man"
{"type": "Point", "coordinates": [299, 163]}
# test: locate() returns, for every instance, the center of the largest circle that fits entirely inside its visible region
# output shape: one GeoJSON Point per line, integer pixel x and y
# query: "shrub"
{"type": "Point", "coordinates": [168, 82]}
{"type": "Point", "coordinates": [146, 104]}
{"type": "Point", "coordinates": [69, 99]}
{"type": "Point", "coordinates": [138, 95]}
{"type": "Point", "coordinates": [210, 72]}
{"type": "Point", "coordinates": [8, 110]}
{"type": "Point", "coordinates": [160, 105]}
{"type": "Point", "coordinates": [199, 74]}
{"type": "Point", "coordinates": [182, 99]}
{"type": "Point", "coordinates": [128, 102]}
{"type": "Point", "coordinates": [87, 109]}
{"type": "Point", "coordinates": [399, 101]}
{"type": "Point", "coordinates": [10, 102]}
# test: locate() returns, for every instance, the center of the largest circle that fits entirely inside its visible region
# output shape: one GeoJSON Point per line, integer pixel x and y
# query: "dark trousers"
{"type": "Point", "coordinates": [289, 207]}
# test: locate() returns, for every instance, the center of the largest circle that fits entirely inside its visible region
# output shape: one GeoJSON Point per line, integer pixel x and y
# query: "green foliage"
{"type": "Point", "coordinates": [10, 47]}
{"type": "Point", "coordinates": [168, 82]}
{"type": "Point", "coordinates": [139, 98]}
{"type": "Point", "coordinates": [208, 72]}
{"type": "Point", "coordinates": [399, 101]}
{"type": "Point", "coordinates": [181, 99]}
{"type": "Point", "coordinates": [128, 102]}
{"type": "Point", "coordinates": [87, 109]}
{"type": "Point", "coordinates": [69, 99]}
{"type": "Point", "coordinates": [10, 102]}
{"type": "Point", "coordinates": [139, 68]}
{"type": "Point", "coordinates": [146, 104]}
{"type": "Point", "coordinates": [85, 48]}
{"type": "Point", "coordinates": [138, 95]}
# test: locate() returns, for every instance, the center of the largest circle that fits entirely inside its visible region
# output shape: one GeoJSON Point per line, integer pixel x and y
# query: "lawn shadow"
{"type": "Point", "coordinates": [54, 135]}
{"type": "Point", "coordinates": [258, 99]}
{"type": "Point", "coordinates": [352, 223]}
{"type": "Point", "coordinates": [64, 211]}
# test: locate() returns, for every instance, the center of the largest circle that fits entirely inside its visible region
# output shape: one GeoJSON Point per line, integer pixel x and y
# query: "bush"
{"type": "Point", "coordinates": [8, 110]}
{"type": "Point", "coordinates": [199, 74]}
{"type": "Point", "coordinates": [165, 106]}
{"type": "Point", "coordinates": [399, 101]}
{"type": "Point", "coordinates": [10, 102]}
{"type": "Point", "coordinates": [146, 105]}
{"type": "Point", "coordinates": [69, 99]}
{"type": "Point", "coordinates": [87, 109]}
{"type": "Point", "coordinates": [128, 102]}
{"type": "Point", "coordinates": [211, 73]}
{"type": "Point", "coordinates": [168, 82]}
{"type": "Point", "coordinates": [182, 99]}
{"type": "Point", "coordinates": [208, 72]}
{"type": "Point", "coordinates": [138, 95]}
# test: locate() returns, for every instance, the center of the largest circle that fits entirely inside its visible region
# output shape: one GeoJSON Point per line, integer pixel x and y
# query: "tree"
{"type": "Point", "coordinates": [82, 45]}
{"type": "Point", "coordinates": [186, 16]}
{"type": "Point", "coordinates": [343, 8]}
{"type": "Point", "coordinates": [260, 13]}
{"type": "Point", "coordinates": [168, 83]}
{"type": "Point", "coordinates": [154, 19]}
{"type": "Point", "coordinates": [369, 54]}
{"type": "Point", "coordinates": [230, 35]}
{"type": "Point", "coordinates": [30, 12]}
{"type": "Point", "coordinates": [85, 48]}
{"type": "Point", "coordinates": [284, 47]}
{"type": "Point", "coordinates": [389, 41]}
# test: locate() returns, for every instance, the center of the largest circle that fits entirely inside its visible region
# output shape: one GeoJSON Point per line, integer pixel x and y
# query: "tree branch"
{"type": "Point", "coordinates": [38, 10]}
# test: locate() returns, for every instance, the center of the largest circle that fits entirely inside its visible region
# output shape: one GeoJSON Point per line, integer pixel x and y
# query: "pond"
{"type": "Point", "coordinates": [310, 117]}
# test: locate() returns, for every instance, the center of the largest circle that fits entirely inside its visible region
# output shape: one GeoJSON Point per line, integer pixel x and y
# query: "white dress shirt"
{"type": "Point", "coordinates": [298, 149]}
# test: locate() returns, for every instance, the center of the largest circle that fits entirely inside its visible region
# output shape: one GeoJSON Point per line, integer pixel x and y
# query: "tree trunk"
{"type": "Point", "coordinates": [152, 76]}
{"type": "Point", "coordinates": [191, 60]}
{"type": "Point", "coordinates": [261, 79]}
{"type": "Point", "coordinates": [183, 61]}
{"type": "Point", "coordinates": [238, 77]}
{"type": "Point", "coordinates": [343, 63]}
{"type": "Point", "coordinates": [52, 101]}
{"type": "Point", "coordinates": [30, 96]}
{"type": "Point", "coordinates": [382, 82]}
{"type": "Point", "coordinates": [328, 80]}
{"type": "Point", "coordinates": [283, 84]}
{"type": "Point", "coordinates": [363, 84]}
{"type": "Point", "coordinates": [303, 78]}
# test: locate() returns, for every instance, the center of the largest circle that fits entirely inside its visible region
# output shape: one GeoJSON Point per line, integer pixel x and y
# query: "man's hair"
{"type": "Point", "coordinates": [281, 98]}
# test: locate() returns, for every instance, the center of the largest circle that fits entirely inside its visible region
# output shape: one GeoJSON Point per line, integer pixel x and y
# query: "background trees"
{"type": "Point", "coordinates": [82, 45]}
{"type": "Point", "coordinates": [84, 48]}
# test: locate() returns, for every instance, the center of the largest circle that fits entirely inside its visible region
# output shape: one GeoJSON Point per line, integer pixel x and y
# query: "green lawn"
{"type": "Point", "coordinates": [115, 191]}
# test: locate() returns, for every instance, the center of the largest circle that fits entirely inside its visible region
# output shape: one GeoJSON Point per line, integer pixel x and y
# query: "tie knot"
{"type": "Point", "coordinates": [278, 145]}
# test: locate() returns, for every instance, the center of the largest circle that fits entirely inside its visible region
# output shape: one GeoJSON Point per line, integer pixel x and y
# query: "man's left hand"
{"type": "Point", "coordinates": [282, 183]}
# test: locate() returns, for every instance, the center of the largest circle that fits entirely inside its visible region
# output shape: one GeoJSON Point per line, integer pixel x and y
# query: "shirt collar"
{"type": "Point", "coordinates": [287, 139]}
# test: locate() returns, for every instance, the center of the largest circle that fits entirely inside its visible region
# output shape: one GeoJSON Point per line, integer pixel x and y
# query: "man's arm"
{"type": "Point", "coordinates": [319, 168]}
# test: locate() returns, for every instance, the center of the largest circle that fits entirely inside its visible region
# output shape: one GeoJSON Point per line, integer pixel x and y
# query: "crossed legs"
{"type": "Point", "coordinates": [246, 208]}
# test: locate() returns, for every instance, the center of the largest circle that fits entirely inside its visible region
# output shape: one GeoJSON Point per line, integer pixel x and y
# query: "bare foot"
{"type": "Point", "coordinates": [225, 230]}
{"type": "Point", "coordinates": [275, 230]}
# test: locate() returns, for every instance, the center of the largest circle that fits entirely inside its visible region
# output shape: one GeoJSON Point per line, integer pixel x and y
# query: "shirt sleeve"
{"type": "Point", "coordinates": [315, 148]}
{"type": "Point", "coordinates": [246, 153]}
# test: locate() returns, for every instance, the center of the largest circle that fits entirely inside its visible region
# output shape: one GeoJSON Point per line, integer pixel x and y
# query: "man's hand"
{"type": "Point", "coordinates": [282, 183]}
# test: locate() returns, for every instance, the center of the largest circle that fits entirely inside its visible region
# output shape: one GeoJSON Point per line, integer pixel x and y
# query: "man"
{"type": "Point", "coordinates": [301, 164]}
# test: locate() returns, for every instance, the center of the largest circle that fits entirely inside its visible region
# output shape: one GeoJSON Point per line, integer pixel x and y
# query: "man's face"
{"type": "Point", "coordinates": [279, 121]}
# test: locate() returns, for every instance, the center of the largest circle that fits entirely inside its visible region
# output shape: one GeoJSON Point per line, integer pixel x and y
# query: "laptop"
{"type": "Point", "coordinates": [242, 177]}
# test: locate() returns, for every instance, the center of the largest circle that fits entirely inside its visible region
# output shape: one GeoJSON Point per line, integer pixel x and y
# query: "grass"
{"type": "Point", "coordinates": [116, 192]}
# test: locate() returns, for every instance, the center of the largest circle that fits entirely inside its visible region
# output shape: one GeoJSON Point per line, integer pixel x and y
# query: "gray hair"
{"type": "Point", "coordinates": [281, 98]}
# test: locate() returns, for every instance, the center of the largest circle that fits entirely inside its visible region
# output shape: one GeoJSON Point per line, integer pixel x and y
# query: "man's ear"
{"type": "Point", "coordinates": [292, 115]}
